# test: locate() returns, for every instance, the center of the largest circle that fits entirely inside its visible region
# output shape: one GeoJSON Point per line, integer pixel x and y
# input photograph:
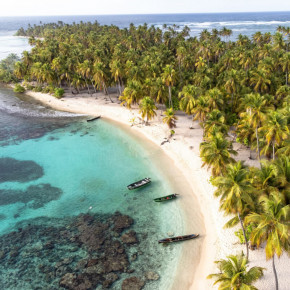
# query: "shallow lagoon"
{"type": "Point", "coordinates": [82, 168]}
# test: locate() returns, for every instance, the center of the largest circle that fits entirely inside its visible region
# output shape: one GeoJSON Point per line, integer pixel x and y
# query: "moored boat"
{"type": "Point", "coordinates": [166, 198]}
{"type": "Point", "coordinates": [93, 119]}
{"type": "Point", "coordinates": [178, 239]}
{"type": "Point", "coordinates": [139, 183]}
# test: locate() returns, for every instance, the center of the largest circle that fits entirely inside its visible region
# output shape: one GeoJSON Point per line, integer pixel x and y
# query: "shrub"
{"type": "Point", "coordinates": [30, 87]}
{"type": "Point", "coordinates": [37, 89]}
{"type": "Point", "coordinates": [58, 92]}
{"type": "Point", "coordinates": [45, 90]}
{"type": "Point", "coordinates": [19, 89]}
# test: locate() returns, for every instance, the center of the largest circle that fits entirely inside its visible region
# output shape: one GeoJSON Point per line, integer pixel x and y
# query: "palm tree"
{"type": "Point", "coordinates": [216, 154]}
{"type": "Point", "coordinates": [260, 81]}
{"type": "Point", "coordinates": [170, 118]}
{"type": "Point", "coordinates": [231, 84]}
{"type": "Point", "coordinates": [282, 175]}
{"type": "Point", "coordinates": [285, 62]}
{"type": "Point", "coordinates": [234, 274]}
{"type": "Point", "coordinates": [276, 129]}
{"type": "Point", "coordinates": [272, 228]}
{"type": "Point", "coordinates": [234, 190]}
{"type": "Point", "coordinates": [85, 71]}
{"type": "Point", "coordinates": [99, 76]}
{"type": "Point", "coordinates": [215, 99]}
{"type": "Point", "coordinates": [201, 109]}
{"type": "Point", "coordinates": [188, 97]}
{"type": "Point", "coordinates": [257, 110]}
{"type": "Point", "coordinates": [147, 107]}
{"type": "Point", "coordinates": [132, 93]}
{"type": "Point", "coordinates": [215, 121]}
{"type": "Point", "coordinates": [168, 77]}
{"type": "Point", "coordinates": [117, 71]}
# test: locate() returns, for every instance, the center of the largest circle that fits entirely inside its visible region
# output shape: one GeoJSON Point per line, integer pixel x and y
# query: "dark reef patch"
{"type": "Point", "coordinates": [20, 171]}
{"type": "Point", "coordinates": [35, 196]}
{"type": "Point", "coordinates": [2, 217]}
{"type": "Point", "coordinates": [81, 252]}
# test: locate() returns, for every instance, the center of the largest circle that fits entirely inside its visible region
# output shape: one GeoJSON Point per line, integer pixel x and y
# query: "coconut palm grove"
{"type": "Point", "coordinates": [235, 89]}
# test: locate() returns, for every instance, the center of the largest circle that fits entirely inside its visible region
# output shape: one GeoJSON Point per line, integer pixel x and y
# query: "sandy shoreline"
{"type": "Point", "coordinates": [183, 151]}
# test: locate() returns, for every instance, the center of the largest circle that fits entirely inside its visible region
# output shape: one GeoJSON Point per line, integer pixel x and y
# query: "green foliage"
{"type": "Point", "coordinates": [175, 103]}
{"type": "Point", "coordinates": [233, 273]}
{"type": "Point", "coordinates": [58, 93]}
{"type": "Point", "coordinates": [248, 231]}
{"type": "Point", "coordinates": [7, 69]}
{"type": "Point", "coordinates": [48, 89]}
{"type": "Point", "coordinates": [37, 89]}
{"type": "Point", "coordinates": [19, 89]}
{"type": "Point", "coordinates": [231, 119]}
{"type": "Point", "coordinates": [28, 86]}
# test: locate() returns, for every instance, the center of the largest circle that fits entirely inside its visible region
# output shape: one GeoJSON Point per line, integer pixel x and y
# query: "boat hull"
{"type": "Point", "coordinates": [139, 183]}
{"type": "Point", "coordinates": [178, 239]}
{"type": "Point", "coordinates": [166, 198]}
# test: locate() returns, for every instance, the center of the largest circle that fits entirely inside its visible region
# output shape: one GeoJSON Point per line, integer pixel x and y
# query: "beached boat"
{"type": "Point", "coordinates": [166, 198]}
{"type": "Point", "coordinates": [139, 183]}
{"type": "Point", "coordinates": [178, 239]}
{"type": "Point", "coordinates": [93, 119]}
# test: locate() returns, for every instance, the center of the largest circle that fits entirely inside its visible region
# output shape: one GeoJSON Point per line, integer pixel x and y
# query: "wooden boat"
{"type": "Point", "coordinates": [178, 239]}
{"type": "Point", "coordinates": [139, 183]}
{"type": "Point", "coordinates": [96, 118]}
{"type": "Point", "coordinates": [166, 198]}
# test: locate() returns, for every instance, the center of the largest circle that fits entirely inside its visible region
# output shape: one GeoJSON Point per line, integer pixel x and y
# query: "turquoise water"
{"type": "Point", "coordinates": [76, 167]}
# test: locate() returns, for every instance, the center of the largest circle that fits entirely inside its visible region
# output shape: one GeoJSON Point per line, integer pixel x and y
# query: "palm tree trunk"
{"type": "Point", "coordinates": [119, 87]}
{"type": "Point", "coordinates": [275, 273]}
{"type": "Point", "coordinates": [286, 77]}
{"type": "Point", "coordinates": [88, 87]}
{"type": "Point", "coordinates": [94, 86]}
{"type": "Point", "coordinates": [106, 92]}
{"type": "Point", "coordinates": [244, 233]}
{"type": "Point", "coordinates": [258, 146]}
{"type": "Point", "coordinates": [273, 144]}
{"type": "Point", "coordinates": [170, 100]}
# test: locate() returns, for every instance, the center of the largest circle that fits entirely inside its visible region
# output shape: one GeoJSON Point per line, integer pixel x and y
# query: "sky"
{"type": "Point", "coordinates": [99, 7]}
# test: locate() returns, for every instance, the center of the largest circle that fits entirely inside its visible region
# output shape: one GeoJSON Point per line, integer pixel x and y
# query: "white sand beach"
{"type": "Point", "coordinates": [183, 151]}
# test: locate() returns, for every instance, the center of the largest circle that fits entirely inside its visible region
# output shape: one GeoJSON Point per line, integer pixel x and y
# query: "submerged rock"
{"type": "Point", "coordinates": [152, 276]}
{"type": "Point", "coordinates": [40, 252]}
{"type": "Point", "coordinates": [121, 222]}
{"type": "Point", "coordinates": [129, 238]}
{"type": "Point", "coordinates": [68, 281]}
{"type": "Point", "coordinates": [18, 170]}
{"type": "Point", "coordinates": [35, 196]}
{"type": "Point", "coordinates": [133, 283]}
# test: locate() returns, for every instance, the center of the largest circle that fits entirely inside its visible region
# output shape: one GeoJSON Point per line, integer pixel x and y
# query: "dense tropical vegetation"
{"type": "Point", "coordinates": [233, 88]}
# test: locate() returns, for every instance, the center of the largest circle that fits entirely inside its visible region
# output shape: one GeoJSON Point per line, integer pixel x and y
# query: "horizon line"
{"type": "Point", "coordinates": [179, 13]}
